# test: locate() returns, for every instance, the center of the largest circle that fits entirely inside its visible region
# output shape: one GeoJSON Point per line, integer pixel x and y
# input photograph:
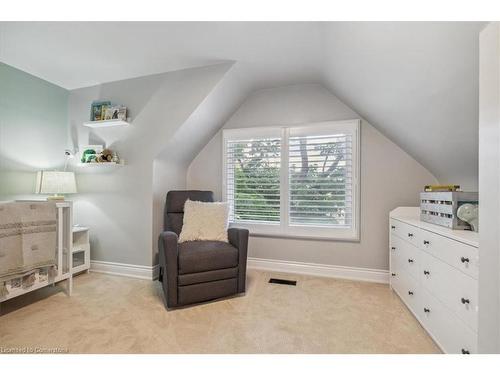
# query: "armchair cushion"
{"type": "Point", "coordinates": [174, 206]}
{"type": "Point", "coordinates": [206, 221]}
{"type": "Point", "coordinates": [208, 276]}
{"type": "Point", "coordinates": [200, 256]}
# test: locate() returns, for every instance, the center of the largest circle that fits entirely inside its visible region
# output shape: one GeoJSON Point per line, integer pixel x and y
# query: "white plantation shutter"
{"type": "Point", "coordinates": [320, 180]}
{"type": "Point", "coordinates": [253, 179]}
{"type": "Point", "coordinates": [294, 181]}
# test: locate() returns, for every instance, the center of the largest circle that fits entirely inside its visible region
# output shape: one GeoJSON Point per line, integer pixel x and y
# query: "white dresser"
{"type": "Point", "coordinates": [434, 270]}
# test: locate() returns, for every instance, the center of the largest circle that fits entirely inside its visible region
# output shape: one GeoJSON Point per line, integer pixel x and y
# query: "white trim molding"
{"type": "Point", "coordinates": [323, 270]}
{"type": "Point", "coordinates": [285, 227]}
{"type": "Point", "coordinates": [122, 269]}
{"type": "Point", "coordinates": [273, 265]}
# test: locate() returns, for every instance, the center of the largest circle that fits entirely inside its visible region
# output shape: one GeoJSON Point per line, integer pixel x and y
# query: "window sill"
{"type": "Point", "coordinates": [276, 233]}
{"type": "Point", "coordinates": [305, 237]}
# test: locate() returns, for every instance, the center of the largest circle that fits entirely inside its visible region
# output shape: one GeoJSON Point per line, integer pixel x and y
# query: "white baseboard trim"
{"type": "Point", "coordinates": [122, 269]}
{"type": "Point", "coordinates": [324, 270]}
{"type": "Point", "coordinates": [273, 265]}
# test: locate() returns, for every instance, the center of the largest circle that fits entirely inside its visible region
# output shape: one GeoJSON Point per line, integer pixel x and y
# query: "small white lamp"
{"type": "Point", "coordinates": [54, 182]}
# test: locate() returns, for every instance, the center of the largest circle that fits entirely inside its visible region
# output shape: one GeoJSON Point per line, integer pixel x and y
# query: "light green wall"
{"type": "Point", "coordinates": [33, 129]}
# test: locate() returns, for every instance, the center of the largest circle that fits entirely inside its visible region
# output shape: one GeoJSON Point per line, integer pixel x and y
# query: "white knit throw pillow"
{"type": "Point", "coordinates": [205, 221]}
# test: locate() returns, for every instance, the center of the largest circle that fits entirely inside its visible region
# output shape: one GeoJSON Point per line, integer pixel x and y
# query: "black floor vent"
{"type": "Point", "coordinates": [283, 281]}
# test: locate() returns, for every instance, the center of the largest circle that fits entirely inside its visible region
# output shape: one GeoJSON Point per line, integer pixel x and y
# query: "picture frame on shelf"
{"type": "Point", "coordinates": [116, 112]}
{"type": "Point", "coordinates": [98, 109]}
{"type": "Point", "coordinates": [122, 113]}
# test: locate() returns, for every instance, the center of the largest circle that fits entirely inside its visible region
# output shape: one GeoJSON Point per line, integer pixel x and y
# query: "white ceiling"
{"type": "Point", "coordinates": [80, 54]}
{"type": "Point", "coordinates": [417, 82]}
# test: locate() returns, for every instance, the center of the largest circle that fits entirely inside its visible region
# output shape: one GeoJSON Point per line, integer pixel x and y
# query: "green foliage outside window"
{"type": "Point", "coordinates": [318, 179]}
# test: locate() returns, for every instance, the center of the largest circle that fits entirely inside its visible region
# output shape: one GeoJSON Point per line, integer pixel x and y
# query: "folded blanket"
{"type": "Point", "coordinates": [28, 237]}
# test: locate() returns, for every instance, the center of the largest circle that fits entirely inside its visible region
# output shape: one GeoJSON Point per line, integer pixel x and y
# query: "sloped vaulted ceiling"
{"type": "Point", "coordinates": [416, 82]}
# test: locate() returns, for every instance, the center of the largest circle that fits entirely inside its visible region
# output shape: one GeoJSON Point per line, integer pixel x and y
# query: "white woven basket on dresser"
{"type": "Point", "coordinates": [440, 207]}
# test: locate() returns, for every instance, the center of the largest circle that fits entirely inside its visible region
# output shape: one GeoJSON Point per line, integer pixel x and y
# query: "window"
{"type": "Point", "coordinates": [253, 179]}
{"type": "Point", "coordinates": [294, 181]}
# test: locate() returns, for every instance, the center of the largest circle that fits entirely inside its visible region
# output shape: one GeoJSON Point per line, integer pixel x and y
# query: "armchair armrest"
{"type": "Point", "coordinates": [168, 254]}
{"type": "Point", "coordinates": [239, 238]}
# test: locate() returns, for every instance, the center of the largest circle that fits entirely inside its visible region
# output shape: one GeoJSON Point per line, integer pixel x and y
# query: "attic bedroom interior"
{"type": "Point", "coordinates": [232, 187]}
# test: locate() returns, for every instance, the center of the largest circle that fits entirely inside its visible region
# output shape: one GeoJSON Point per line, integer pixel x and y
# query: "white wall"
{"type": "Point", "coordinates": [489, 190]}
{"type": "Point", "coordinates": [33, 130]}
{"type": "Point", "coordinates": [389, 176]}
{"type": "Point", "coordinates": [118, 205]}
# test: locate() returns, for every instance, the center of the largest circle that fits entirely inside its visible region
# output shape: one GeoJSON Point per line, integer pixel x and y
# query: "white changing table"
{"type": "Point", "coordinates": [64, 259]}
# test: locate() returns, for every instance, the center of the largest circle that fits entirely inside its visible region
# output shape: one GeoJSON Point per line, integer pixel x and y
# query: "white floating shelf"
{"type": "Point", "coordinates": [100, 165]}
{"type": "Point", "coordinates": [105, 123]}
{"type": "Point", "coordinates": [97, 168]}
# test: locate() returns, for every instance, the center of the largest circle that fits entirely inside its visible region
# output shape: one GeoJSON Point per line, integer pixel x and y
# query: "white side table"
{"type": "Point", "coordinates": [80, 254]}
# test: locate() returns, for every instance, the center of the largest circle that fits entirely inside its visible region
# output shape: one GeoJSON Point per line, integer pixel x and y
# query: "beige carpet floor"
{"type": "Point", "coordinates": [112, 314]}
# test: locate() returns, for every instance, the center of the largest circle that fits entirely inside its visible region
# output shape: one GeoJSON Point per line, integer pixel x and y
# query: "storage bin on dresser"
{"type": "Point", "coordinates": [434, 271]}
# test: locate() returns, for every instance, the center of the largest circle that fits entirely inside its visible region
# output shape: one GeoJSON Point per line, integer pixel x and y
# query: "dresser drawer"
{"type": "Point", "coordinates": [451, 334]}
{"type": "Point", "coordinates": [411, 259]}
{"type": "Point", "coordinates": [395, 280]}
{"type": "Point", "coordinates": [456, 254]}
{"type": "Point", "coordinates": [405, 256]}
{"type": "Point", "coordinates": [409, 291]}
{"type": "Point", "coordinates": [395, 227]}
{"type": "Point", "coordinates": [397, 253]}
{"type": "Point", "coordinates": [456, 290]}
{"type": "Point", "coordinates": [406, 232]}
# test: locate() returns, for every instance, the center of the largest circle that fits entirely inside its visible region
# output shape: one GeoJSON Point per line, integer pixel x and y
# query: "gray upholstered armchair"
{"type": "Point", "coordinates": [197, 271]}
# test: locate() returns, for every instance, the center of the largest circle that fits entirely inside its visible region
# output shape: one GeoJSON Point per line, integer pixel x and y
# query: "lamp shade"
{"type": "Point", "coordinates": [53, 182]}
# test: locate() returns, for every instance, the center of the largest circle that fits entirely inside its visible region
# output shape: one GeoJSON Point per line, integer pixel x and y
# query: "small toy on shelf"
{"type": "Point", "coordinates": [92, 158]}
{"type": "Point", "coordinates": [98, 154]}
{"type": "Point", "coordinates": [88, 155]}
{"type": "Point", "coordinates": [106, 156]}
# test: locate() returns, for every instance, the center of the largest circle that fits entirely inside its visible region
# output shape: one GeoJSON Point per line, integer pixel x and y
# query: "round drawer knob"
{"type": "Point", "coordinates": [393, 274]}
{"type": "Point", "coordinates": [426, 310]}
{"type": "Point", "coordinates": [465, 351]}
{"type": "Point", "coordinates": [410, 235]}
{"type": "Point", "coordinates": [410, 293]}
{"type": "Point", "coordinates": [393, 248]}
{"type": "Point", "coordinates": [410, 260]}
{"type": "Point", "coordinates": [465, 300]}
{"type": "Point", "coordinates": [426, 242]}
{"type": "Point", "coordinates": [464, 260]}
{"type": "Point", "coordinates": [393, 227]}
{"type": "Point", "coordinates": [426, 272]}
